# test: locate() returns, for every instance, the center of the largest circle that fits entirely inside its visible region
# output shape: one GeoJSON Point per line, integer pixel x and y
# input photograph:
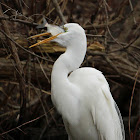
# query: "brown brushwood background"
{"type": "Point", "coordinates": [112, 28]}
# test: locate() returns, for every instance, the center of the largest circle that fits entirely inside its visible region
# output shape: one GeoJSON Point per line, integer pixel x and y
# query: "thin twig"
{"type": "Point", "coordinates": [20, 70]}
{"type": "Point", "coordinates": [132, 9]}
{"type": "Point", "coordinates": [22, 125]}
{"type": "Point", "coordinates": [23, 47]}
{"type": "Point", "coordinates": [57, 7]}
{"type": "Point", "coordinates": [111, 64]}
{"type": "Point", "coordinates": [132, 100]}
{"type": "Point", "coordinates": [95, 35]}
{"type": "Point", "coordinates": [50, 11]}
{"type": "Point", "coordinates": [107, 21]}
{"type": "Point", "coordinates": [96, 25]}
{"type": "Point", "coordinates": [25, 123]}
{"type": "Point", "coordinates": [62, 10]}
{"type": "Point", "coordinates": [132, 45]}
{"type": "Point", "coordinates": [43, 71]}
{"type": "Point", "coordinates": [136, 128]}
{"type": "Point", "coordinates": [42, 104]}
{"type": "Point", "coordinates": [18, 20]}
{"type": "Point", "coordinates": [127, 46]}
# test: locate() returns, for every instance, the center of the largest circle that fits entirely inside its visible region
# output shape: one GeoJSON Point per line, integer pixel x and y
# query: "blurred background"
{"type": "Point", "coordinates": [112, 28]}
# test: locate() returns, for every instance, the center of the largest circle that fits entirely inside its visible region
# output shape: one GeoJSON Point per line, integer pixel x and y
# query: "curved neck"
{"type": "Point", "coordinates": [66, 63]}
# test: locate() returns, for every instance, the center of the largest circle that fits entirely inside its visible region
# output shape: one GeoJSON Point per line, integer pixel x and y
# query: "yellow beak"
{"type": "Point", "coordinates": [43, 41]}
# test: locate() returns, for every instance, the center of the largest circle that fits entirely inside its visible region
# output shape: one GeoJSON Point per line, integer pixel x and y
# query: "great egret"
{"type": "Point", "coordinates": [81, 95]}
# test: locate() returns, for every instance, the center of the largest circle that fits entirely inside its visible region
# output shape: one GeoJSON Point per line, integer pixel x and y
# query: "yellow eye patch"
{"type": "Point", "coordinates": [65, 29]}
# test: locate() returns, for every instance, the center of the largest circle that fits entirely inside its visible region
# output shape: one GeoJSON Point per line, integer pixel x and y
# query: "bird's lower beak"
{"type": "Point", "coordinates": [43, 41]}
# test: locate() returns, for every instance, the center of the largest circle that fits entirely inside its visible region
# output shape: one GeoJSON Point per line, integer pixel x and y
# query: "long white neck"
{"type": "Point", "coordinates": [68, 62]}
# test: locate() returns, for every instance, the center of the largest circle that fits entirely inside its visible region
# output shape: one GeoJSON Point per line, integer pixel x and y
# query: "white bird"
{"type": "Point", "coordinates": [81, 95]}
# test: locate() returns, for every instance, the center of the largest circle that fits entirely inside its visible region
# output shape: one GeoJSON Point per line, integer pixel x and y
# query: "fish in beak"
{"type": "Point", "coordinates": [52, 30]}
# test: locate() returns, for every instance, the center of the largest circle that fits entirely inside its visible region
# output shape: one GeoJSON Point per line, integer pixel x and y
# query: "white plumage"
{"type": "Point", "coordinates": [82, 95]}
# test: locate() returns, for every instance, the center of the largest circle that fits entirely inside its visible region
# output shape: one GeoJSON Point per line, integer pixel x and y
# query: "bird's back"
{"type": "Point", "coordinates": [98, 117]}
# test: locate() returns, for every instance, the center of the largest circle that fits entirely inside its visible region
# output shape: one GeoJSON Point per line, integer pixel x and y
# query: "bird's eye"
{"type": "Point", "coordinates": [65, 29]}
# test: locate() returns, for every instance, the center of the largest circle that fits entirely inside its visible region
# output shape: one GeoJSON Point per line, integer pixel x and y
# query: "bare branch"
{"type": "Point", "coordinates": [57, 7]}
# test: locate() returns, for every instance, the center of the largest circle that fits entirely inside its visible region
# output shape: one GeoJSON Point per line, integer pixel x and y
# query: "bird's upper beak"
{"type": "Point", "coordinates": [52, 30]}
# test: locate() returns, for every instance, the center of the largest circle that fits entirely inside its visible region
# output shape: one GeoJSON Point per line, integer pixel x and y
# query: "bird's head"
{"type": "Point", "coordinates": [65, 35]}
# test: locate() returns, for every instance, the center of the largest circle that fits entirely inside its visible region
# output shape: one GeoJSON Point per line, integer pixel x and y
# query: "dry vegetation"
{"type": "Point", "coordinates": [113, 30]}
